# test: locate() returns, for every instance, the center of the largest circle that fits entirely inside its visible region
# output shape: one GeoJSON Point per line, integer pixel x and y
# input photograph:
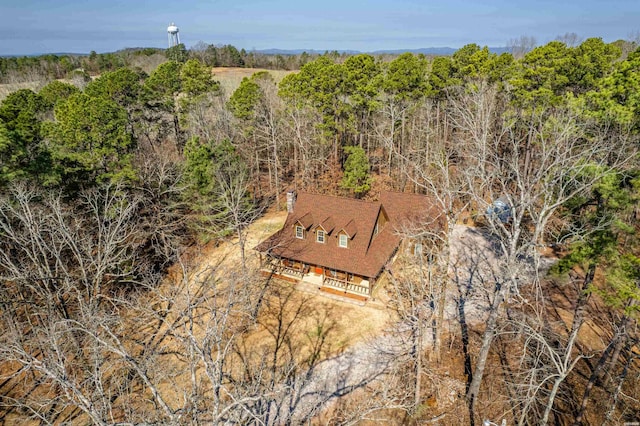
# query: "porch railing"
{"type": "Point", "coordinates": [345, 285]}
{"type": "Point", "coordinates": [283, 270]}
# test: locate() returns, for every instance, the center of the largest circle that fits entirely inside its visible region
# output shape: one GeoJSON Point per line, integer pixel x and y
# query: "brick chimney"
{"type": "Point", "coordinates": [291, 201]}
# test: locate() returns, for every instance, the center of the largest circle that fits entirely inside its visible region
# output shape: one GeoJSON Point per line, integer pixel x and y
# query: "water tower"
{"type": "Point", "coordinates": [174, 37]}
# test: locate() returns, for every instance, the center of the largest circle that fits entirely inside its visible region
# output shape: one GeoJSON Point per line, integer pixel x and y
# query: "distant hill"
{"type": "Point", "coordinates": [443, 51]}
{"type": "Point", "coordinates": [35, 55]}
{"type": "Point", "coordinates": [425, 51]}
{"type": "Point", "coordinates": [299, 51]}
{"type": "Point", "coordinates": [435, 51]}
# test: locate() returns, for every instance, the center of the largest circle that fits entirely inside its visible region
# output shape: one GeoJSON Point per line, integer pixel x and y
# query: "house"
{"type": "Point", "coordinates": [342, 244]}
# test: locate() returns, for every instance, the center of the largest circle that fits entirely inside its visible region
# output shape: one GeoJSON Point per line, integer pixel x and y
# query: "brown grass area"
{"type": "Point", "coordinates": [6, 89]}
{"type": "Point", "coordinates": [345, 325]}
{"type": "Point", "coordinates": [230, 78]}
{"type": "Point", "coordinates": [356, 322]}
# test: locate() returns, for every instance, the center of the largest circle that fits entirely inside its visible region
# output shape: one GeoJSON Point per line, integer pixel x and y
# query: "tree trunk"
{"type": "Point", "coordinates": [615, 347]}
{"type": "Point", "coordinates": [418, 372]}
{"type": "Point", "coordinates": [487, 339]}
{"type": "Point", "coordinates": [618, 348]}
{"type": "Point", "coordinates": [275, 171]}
{"type": "Point", "coordinates": [552, 396]}
{"type": "Point", "coordinates": [621, 378]}
{"type": "Point", "coordinates": [592, 380]}
{"type": "Point", "coordinates": [578, 319]}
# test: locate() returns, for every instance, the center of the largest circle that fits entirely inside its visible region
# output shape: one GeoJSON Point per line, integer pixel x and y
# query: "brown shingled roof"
{"type": "Point", "coordinates": [351, 228]}
{"type": "Point", "coordinates": [306, 221]}
{"type": "Point", "coordinates": [328, 225]}
{"type": "Point", "coordinates": [367, 253]}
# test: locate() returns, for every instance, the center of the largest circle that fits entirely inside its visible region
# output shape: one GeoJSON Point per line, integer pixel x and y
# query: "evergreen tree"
{"type": "Point", "coordinates": [217, 179]}
{"type": "Point", "coordinates": [121, 86]}
{"type": "Point", "coordinates": [356, 171]}
{"type": "Point", "coordinates": [244, 99]}
{"type": "Point", "coordinates": [197, 79]}
{"type": "Point", "coordinates": [177, 53]}
{"type": "Point", "coordinates": [55, 92]}
{"type": "Point", "coordinates": [22, 153]}
{"type": "Point", "coordinates": [89, 142]}
{"type": "Point", "coordinates": [199, 167]}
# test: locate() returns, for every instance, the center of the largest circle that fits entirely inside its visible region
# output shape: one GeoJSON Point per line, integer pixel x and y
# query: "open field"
{"type": "Point", "coordinates": [230, 78]}
{"type": "Point", "coordinates": [5, 89]}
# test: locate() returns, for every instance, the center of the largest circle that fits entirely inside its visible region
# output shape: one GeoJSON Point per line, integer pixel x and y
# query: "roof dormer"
{"type": "Point", "coordinates": [350, 229]}
{"type": "Point", "coordinates": [346, 234]}
{"type": "Point", "coordinates": [328, 225]}
{"type": "Point", "coordinates": [302, 225]}
{"type": "Point", "coordinates": [306, 220]}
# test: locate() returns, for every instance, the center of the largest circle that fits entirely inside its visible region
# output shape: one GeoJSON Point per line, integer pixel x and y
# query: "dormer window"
{"type": "Point", "coordinates": [343, 240]}
{"type": "Point", "coordinates": [302, 225]}
{"type": "Point", "coordinates": [320, 236]}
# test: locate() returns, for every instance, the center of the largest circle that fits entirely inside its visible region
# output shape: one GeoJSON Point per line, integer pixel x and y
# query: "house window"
{"type": "Point", "coordinates": [342, 240]}
{"type": "Point", "coordinates": [320, 236]}
{"type": "Point", "coordinates": [299, 232]}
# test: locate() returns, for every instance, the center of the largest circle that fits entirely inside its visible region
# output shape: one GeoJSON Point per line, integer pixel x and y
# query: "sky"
{"type": "Point", "coordinates": [55, 26]}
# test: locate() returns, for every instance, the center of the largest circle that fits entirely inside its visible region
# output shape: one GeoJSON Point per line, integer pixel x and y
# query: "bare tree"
{"type": "Point", "coordinates": [232, 182]}
{"type": "Point", "coordinates": [521, 45]}
{"type": "Point", "coordinates": [92, 330]}
{"type": "Point", "coordinates": [570, 39]}
{"type": "Point", "coordinates": [207, 117]}
{"type": "Point", "coordinates": [434, 168]}
{"type": "Point", "coordinates": [66, 267]}
{"type": "Point", "coordinates": [309, 154]}
{"type": "Point", "coordinates": [548, 357]}
{"type": "Point", "coordinates": [533, 163]}
{"type": "Point", "coordinates": [413, 301]}
{"type": "Point", "coordinates": [270, 115]}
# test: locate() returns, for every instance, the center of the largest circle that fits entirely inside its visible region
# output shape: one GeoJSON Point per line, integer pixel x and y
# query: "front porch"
{"type": "Point", "coordinates": [346, 285]}
{"type": "Point", "coordinates": [327, 280]}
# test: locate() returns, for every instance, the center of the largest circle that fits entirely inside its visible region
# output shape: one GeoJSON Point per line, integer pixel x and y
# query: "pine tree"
{"type": "Point", "coordinates": [356, 171]}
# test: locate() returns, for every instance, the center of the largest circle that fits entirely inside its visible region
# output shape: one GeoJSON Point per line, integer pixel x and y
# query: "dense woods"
{"type": "Point", "coordinates": [108, 185]}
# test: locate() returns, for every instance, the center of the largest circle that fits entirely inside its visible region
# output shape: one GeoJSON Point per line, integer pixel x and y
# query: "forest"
{"type": "Point", "coordinates": [117, 179]}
